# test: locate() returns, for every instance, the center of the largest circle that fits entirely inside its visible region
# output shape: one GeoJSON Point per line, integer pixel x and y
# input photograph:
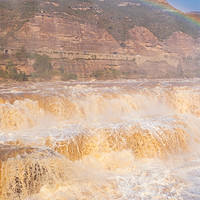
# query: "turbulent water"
{"type": "Point", "coordinates": [100, 140]}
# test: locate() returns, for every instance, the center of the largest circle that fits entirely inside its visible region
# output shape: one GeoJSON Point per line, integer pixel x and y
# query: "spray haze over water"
{"type": "Point", "coordinates": [100, 140]}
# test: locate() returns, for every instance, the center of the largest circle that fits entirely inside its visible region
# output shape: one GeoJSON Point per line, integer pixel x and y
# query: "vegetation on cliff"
{"type": "Point", "coordinates": [42, 66]}
{"type": "Point", "coordinates": [107, 73]}
{"type": "Point", "coordinates": [11, 73]}
{"type": "Point", "coordinates": [68, 76]}
{"type": "Point", "coordinates": [112, 23]}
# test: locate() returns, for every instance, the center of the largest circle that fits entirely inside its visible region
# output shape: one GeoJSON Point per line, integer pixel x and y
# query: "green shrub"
{"type": "Point", "coordinates": [66, 77]}
{"type": "Point", "coordinates": [61, 70]}
{"type": "Point", "coordinates": [43, 66]}
{"type": "Point", "coordinates": [3, 73]}
{"type": "Point", "coordinates": [105, 74]}
{"type": "Point", "coordinates": [12, 73]}
{"type": "Point", "coordinates": [22, 54]}
{"type": "Point", "coordinates": [22, 76]}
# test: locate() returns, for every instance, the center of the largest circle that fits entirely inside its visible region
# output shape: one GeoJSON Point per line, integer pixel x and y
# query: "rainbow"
{"type": "Point", "coordinates": [173, 11]}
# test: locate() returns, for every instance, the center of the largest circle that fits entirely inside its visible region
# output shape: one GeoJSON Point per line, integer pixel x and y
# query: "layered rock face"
{"type": "Point", "coordinates": [51, 33]}
{"type": "Point", "coordinates": [81, 47]}
{"type": "Point", "coordinates": [181, 43]}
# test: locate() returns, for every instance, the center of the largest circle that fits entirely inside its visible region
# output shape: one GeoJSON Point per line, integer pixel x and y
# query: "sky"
{"type": "Point", "coordinates": [186, 5]}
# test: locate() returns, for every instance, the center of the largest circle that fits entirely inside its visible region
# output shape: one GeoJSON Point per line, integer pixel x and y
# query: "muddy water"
{"type": "Point", "coordinates": [100, 140]}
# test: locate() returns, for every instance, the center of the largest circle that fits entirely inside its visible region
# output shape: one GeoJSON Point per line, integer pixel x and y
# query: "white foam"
{"type": "Point", "coordinates": [153, 106]}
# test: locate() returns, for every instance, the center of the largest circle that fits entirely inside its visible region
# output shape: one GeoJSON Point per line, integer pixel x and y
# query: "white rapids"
{"type": "Point", "coordinates": [100, 140]}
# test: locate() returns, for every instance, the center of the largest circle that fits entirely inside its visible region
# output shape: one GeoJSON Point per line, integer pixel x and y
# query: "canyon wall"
{"type": "Point", "coordinates": [83, 47]}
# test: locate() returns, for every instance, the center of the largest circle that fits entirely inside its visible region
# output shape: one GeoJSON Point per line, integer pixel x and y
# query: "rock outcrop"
{"type": "Point", "coordinates": [46, 32]}
{"type": "Point", "coordinates": [28, 169]}
{"type": "Point", "coordinates": [181, 43]}
{"type": "Point", "coordinates": [83, 41]}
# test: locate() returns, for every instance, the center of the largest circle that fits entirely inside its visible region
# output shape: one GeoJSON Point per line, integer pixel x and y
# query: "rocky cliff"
{"type": "Point", "coordinates": [194, 15]}
{"type": "Point", "coordinates": [134, 38]}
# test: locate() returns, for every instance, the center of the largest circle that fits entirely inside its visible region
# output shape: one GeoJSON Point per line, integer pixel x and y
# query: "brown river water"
{"type": "Point", "coordinates": [100, 140]}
